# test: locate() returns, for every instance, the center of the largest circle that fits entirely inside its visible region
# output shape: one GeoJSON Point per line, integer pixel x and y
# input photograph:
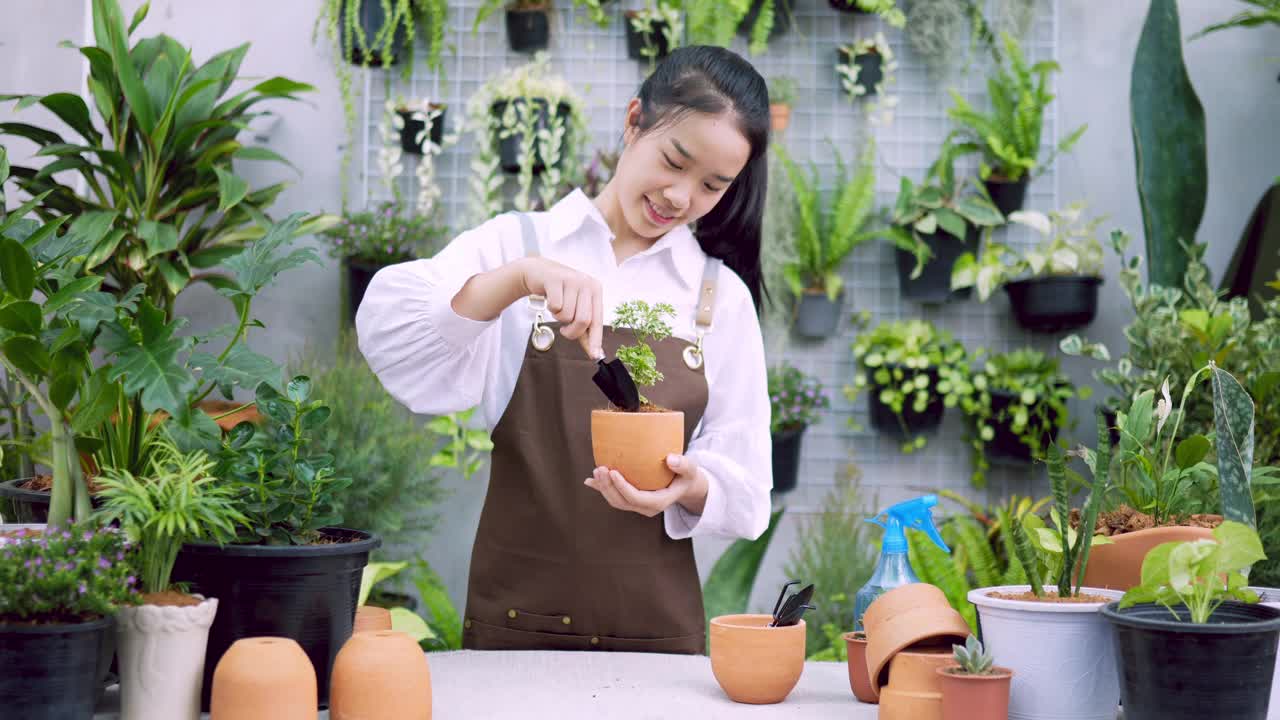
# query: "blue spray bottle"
{"type": "Point", "coordinates": [893, 568]}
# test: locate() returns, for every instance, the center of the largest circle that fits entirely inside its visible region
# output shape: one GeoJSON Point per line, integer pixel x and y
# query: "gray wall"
{"type": "Point", "coordinates": [1232, 73]}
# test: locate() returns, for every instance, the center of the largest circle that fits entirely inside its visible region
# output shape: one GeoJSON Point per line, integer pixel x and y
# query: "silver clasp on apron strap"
{"type": "Point", "coordinates": [542, 336]}
{"type": "Point", "coordinates": [702, 313]}
{"type": "Point", "coordinates": [693, 353]}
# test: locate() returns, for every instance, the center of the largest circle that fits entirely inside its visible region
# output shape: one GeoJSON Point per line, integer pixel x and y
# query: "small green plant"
{"type": "Point", "coordinates": [648, 323]}
{"type": "Point", "coordinates": [595, 11]}
{"type": "Point", "coordinates": [1199, 574]}
{"type": "Point", "coordinates": [782, 90]}
{"type": "Point", "coordinates": [972, 657]}
{"type": "Point", "coordinates": [178, 499]}
{"type": "Point", "coordinates": [65, 574]}
{"type": "Point", "coordinates": [796, 398]}
{"type": "Point", "coordinates": [662, 16]}
{"type": "Point", "coordinates": [888, 10]}
{"type": "Point", "coordinates": [383, 236]}
{"type": "Point", "coordinates": [1009, 136]}
{"type": "Point", "coordinates": [1070, 247]}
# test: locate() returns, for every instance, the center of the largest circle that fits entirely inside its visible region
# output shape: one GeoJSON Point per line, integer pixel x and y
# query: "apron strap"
{"type": "Point", "coordinates": [542, 336]}
{"type": "Point", "coordinates": [704, 308]}
{"type": "Point", "coordinates": [528, 235]}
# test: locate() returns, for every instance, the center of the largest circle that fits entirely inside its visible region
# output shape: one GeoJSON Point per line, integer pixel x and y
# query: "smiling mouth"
{"type": "Point", "coordinates": [656, 214]}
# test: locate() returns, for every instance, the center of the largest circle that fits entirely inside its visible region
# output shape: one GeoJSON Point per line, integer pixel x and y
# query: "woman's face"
{"type": "Point", "coordinates": [676, 173]}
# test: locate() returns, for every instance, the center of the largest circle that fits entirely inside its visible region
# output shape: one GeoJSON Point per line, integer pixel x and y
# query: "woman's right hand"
{"type": "Point", "coordinates": [574, 298]}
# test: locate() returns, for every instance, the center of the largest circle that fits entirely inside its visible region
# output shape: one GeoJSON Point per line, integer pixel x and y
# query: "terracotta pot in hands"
{"type": "Point", "coordinates": [914, 691]}
{"type": "Point", "coordinates": [637, 444]}
{"type": "Point", "coordinates": [859, 676]}
{"type": "Point", "coordinates": [380, 676]}
{"type": "Point", "coordinates": [916, 614]}
{"type": "Point", "coordinates": [755, 663]}
{"type": "Point", "coordinates": [264, 678]}
{"type": "Point", "coordinates": [974, 697]}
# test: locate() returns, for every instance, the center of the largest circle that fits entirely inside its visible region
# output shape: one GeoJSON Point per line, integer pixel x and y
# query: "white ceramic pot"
{"type": "Point", "coordinates": [161, 653]}
{"type": "Point", "coordinates": [1062, 654]}
{"type": "Point", "coordinates": [1271, 597]}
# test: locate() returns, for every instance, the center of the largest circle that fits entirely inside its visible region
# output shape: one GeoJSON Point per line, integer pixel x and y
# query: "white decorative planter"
{"type": "Point", "coordinates": [1062, 654]}
{"type": "Point", "coordinates": [161, 652]}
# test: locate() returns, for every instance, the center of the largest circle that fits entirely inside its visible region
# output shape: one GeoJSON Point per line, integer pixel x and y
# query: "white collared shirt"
{"type": "Point", "coordinates": [435, 361]}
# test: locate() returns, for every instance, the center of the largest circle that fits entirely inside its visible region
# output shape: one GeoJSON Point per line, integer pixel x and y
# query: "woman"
{"type": "Point", "coordinates": [560, 562]}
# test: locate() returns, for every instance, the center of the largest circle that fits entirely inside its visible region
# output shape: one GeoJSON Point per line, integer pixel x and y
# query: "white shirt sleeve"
{"type": "Point", "coordinates": [427, 356]}
{"type": "Point", "coordinates": [733, 447]}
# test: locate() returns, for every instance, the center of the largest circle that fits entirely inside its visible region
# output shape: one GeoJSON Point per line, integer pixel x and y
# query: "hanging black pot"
{"type": "Point", "coordinates": [655, 38]}
{"type": "Point", "coordinates": [30, 506]}
{"type": "Point", "coordinates": [306, 593]}
{"type": "Point", "coordinates": [782, 10]}
{"type": "Point", "coordinates": [414, 122]}
{"type": "Point", "coordinates": [786, 459]}
{"type": "Point", "coordinates": [359, 274]}
{"type": "Point", "coordinates": [1054, 304]}
{"type": "Point", "coordinates": [870, 68]}
{"type": "Point", "coordinates": [1007, 196]}
{"type": "Point", "coordinates": [1112, 417]}
{"type": "Point", "coordinates": [54, 672]}
{"type": "Point", "coordinates": [528, 30]}
{"type": "Point", "coordinates": [818, 315]}
{"type": "Point", "coordinates": [913, 423]}
{"type": "Point", "coordinates": [1005, 446]}
{"type": "Point", "coordinates": [846, 6]}
{"type": "Point", "coordinates": [934, 283]}
{"type": "Point", "coordinates": [371, 19]}
{"type": "Point", "coordinates": [511, 148]}
{"type": "Point", "coordinates": [1174, 669]}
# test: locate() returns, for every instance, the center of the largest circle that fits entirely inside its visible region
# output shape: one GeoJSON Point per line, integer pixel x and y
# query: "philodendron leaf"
{"type": "Point", "coordinates": [1191, 560]}
{"type": "Point", "coordinates": [1155, 566]}
{"type": "Point", "coordinates": [410, 623]}
{"type": "Point", "coordinates": [147, 360]}
{"type": "Point", "coordinates": [1240, 546]}
{"type": "Point", "coordinates": [259, 263]}
{"type": "Point", "coordinates": [1192, 450]}
{"type": "Point", "coordinates": [374, 573]}
{"type": "Point", "coordinates": [241, 367]}
{"type": "Point", "coordinates": [1233, 422]}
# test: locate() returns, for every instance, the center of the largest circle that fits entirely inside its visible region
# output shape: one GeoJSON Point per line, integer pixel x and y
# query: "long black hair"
{"type": "Point", "coordinates": [712, 80]}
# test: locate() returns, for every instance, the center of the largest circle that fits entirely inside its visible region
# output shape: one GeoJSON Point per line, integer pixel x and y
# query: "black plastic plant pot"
{"type": "Point", "coordinates": [934, 284]}
{"type": "Point", "coordinates": [786, 459]}
{"type": "Point", "coordinates": [54, 672]}
{"type": "Point", "coordinates": [359, 274]}
{"type": "Point", "coordinates": [1112, 417]}
{"type": "Point", "coordinates": [307, 593]}
{"type": "Point", "coordinates": [846, 6]}
{"type": "Point", "coordinates": [412, 126]}
{"type": "Point", "coordinates": [817, 315]}
{"type": "Point", "coordinates": [637, 41]}
{"type": "Point", "coordinates": [1007, 196]}
{"type": "Point", "coordinates": [1174, 669]}
{"type": "Point", "coordinates": [1054, 304]}
{"type": "Point", "coordinates": [29, 506]}
{"type": "Point", "coordinates": [782, 11]}
{"type": "Point", "coordinates": [870, 68]}
{"type": "Point", "coordinates": [371, 19]}
{"type": "Point", "coordinates": [510, 149]}
{"type": "Point", "coordinates": [912, 423]}
{"type": "Point", "coordinates": [528, 30]}
{"type": "Point", "coordinates": [1004, 445]}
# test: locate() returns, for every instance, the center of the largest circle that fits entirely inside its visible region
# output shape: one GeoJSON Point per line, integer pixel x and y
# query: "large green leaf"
{"type": "Point", "coordinates": [260, 262]}
{"type": "Point", "coordinates": [241, 368]}
{"type": "Point", "coordinates": [1168, 145]}
{"type": "Point", "coordinates": [728, 587]}
{"type": "Point", "coordinates": [147, 360]}
{"type": "Point", "coordinates": [159, 237]}
{"type": "Point", "coordinates": [231, 189]}
{"type": "Point", "coordinates": [1233, 422]}
{"type": "Point", "coordinates": [17, 269]}
{"type": "Point", "coordinates": [70, 108]}
{"type": "Point", "coordinates": [114, 39]}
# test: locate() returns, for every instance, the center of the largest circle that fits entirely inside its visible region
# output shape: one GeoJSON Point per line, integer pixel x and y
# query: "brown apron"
{"type": "Point", "coordinates": [554, 566]}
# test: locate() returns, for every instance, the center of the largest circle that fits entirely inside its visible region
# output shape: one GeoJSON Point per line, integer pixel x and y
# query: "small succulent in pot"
{"type": "Point", "coordinates": [972, 658]}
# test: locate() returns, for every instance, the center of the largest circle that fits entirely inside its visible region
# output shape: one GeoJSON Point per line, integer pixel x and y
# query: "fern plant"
{"type": "Point", "coordinates": [1009, 135]}
{"type": "Point", "coordinates": [714, 22]}
{"type": "Point", "coordinates": [1267, 13]}
{"type": "Point", "coordinates": [888, 10]}
{"type": "Point", "coordinates": [649, 325]}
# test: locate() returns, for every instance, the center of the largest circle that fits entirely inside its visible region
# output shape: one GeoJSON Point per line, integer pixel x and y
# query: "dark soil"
{"type": "Point", "coordinates": [1050, 597]}
{"type": "Point", "coordinates": [1126, 520]}
{"type": "Point", "coordinates": [44, 483]}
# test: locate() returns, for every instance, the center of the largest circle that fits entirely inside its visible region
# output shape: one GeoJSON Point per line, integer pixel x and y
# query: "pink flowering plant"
{"type": "Point", "coordinates": [76, 574]}
{"type": "Point", "coordinates": [384, 236]}
{"type": "Point", "coordinates": [796, 398]}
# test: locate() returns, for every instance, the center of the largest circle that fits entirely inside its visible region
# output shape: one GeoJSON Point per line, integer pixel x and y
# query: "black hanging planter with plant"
{"type": "Point", "coordinates": [1007, 196]}
{"type": "Point", "coordinates": [1054, 304]}
{"type": "Point", "coordinates": [529, 28]}
{"type": "Point", "coordinates": [1174, 669]}
{"type": "Point", "coordinates": [913, 423]}
{"type": "Point", "coordinates": [1005, 446]}
{"type": "Point", "coordinates": [510, 148]}
{"type": "Point", "coordinates": [934, 283]}
{"type": "Point", "coordinates": [304, 592]}
{"type": "Point", "coordinates": [870, 68]}
{"type": "Point", "coordinates": [786, 458]}
{"type": "Point", "coordinates": [414, 122]}
{"type": "Point", "coordinates": [54, 672]}
{"type": "Point", "coordinates": [371, 18]}
{"type": "Point", "coordinates": [847, 6]}
{"type": "Point", "coordinates": [359, 274]}
{"type": "Point", "coordinates": [655, 37]}
{"type": "Point", "coordinates": [782, 10]}
{"type": "Point", "coordinates": [817, 315]}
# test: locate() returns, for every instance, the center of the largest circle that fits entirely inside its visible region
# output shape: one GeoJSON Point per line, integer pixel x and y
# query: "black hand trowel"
{"type": "Point", "coordinates": [615, 381]}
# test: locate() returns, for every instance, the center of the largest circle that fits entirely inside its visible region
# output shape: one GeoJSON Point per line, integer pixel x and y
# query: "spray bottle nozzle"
{"type": "Point", "coordinates": [909, 514]}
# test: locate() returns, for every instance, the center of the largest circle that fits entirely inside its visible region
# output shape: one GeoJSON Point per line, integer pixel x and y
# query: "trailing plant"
{"type": "Point", "coordinates": [287, 492]}
{"type": "Point", "coordinates": [1199, 575]}
{"type": "Point", "coordinates": [782, 90]}
{"type": "Point", "coordinates": [824, 238]}
{"type": "Point", "coordinates": [595, 11]}
{"type": "Point", "coordinates": [879, 110]}
{"type": "Point", "coordinates": [526, 90]}
{"type": "Point", "coordinates": [1036, 393]}
{"type": "Point", "coordinates": [972, 657]}
{"type": "Point", "coordinates": [163, 198]}
{"type": "Point", "coordinates": [177, 500]}
{"type": "Point", "coordinates": [796, 399]}
{"type": "Point", "coordinates": [65, 574]}
{"type": "Point", "coordinates": [391, 153]}
{"type": "Point", "coordinates": [668, 19]}
{"type": "Point", "coordinates": [908, 364]}
{"type": "Point", "coordinates": [648, 324]}
{"type": "Point", "coordinates": [938, 30]}
{"type": "Point", "coordinates": [1070, 247]}
{"type": "Point", "coordinates": [384, 236]}
{"type": "Point", "coordinates": [1009, 135]}
{"type": "Point", "coordinates": [888, 10]}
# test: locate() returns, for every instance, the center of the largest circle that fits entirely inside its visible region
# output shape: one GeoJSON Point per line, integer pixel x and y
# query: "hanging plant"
{"type": "Point", "coordinates": [595, 11]}
{"type": "Point", "coordinates": [867, 68]}
{"type": "Point", "coordinates": [888, 10]}
{"type": "Point", "coordinates": [528, 22]}
{"type": "Point", "coordinates": [654, 31]}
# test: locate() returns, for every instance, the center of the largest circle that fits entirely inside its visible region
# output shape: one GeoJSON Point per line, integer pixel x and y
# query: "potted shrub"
{"type": "Point", "coordinates": [825, 237]}
{"type": "Point", "coordinates": [866, 67]}
{"type": "Point", "coordinates": [888, 10]}
{"type": "Point", "coordinates": [934, 224]}
{"type": "Point", "coordinates": [529, 122]}
{"type": "Point", "coordinates": [911, 372]}
{"type": "Point", "coordinates": [1017, 407]}
{"type": "Point", "coordinates": [59, 591]}
{"type": "Point", "coordinates": [782, 95]}
{"type": "Point", "coordinates": [1061, 616]}
{"type": "Point", "coordinates": [1051, 287]}
{"type": "Point", "coordinates": [636, 444]}
{"type": "Point", "coordinates": [528, 22]}
{"type": "Point", "coordinates": [162, 641]}
{"type": "Point", "coordinates": [974, 688]}
{"type": "Point", "coordinates": [796, 399]}
{"type": "Point", "coordinates": [292, 572]}
{"type": "Point", "coordinates": [1193, 607]}
{"type": "Point", "coordinates": [654, 31]}
{"type": "Point", "coordinates": [1009, 136]}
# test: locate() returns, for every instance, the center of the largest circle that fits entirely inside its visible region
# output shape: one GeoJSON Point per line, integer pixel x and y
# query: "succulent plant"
{"type": "Point", "coordinates": [972, 657]}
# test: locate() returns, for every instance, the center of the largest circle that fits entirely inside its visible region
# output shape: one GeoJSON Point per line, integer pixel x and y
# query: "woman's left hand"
{"type": "Point", "coordinates": [689, 488]}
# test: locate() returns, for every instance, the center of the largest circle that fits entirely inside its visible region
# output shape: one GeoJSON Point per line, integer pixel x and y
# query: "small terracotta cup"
{"type": "Point", "coordinates": [859, 676]}
{"type": "Point", "coordinates": [380, 675]}
{"type": "Point", "coordinates": [916, 614]}
{"type": "Point", "coordinates": [755, 663]}
{"type": "Point", "coordinates": [637, 444]}
{"type": "Point", "coordinates": [974, 697]}
{"type": "Point", "coordinates": [914, 691]}
{"type": "Point", "coordinates": [371, 619]}
{"type": "Point", "coordinates": [779, 117]}
{"type": "Point", "coordinates": [264, 678]}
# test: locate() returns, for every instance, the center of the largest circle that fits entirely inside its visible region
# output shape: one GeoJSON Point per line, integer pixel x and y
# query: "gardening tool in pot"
{"type": "Point", "coordinates": [789, 612]}
{"type": "Point", "coordinates": [615, 381]}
